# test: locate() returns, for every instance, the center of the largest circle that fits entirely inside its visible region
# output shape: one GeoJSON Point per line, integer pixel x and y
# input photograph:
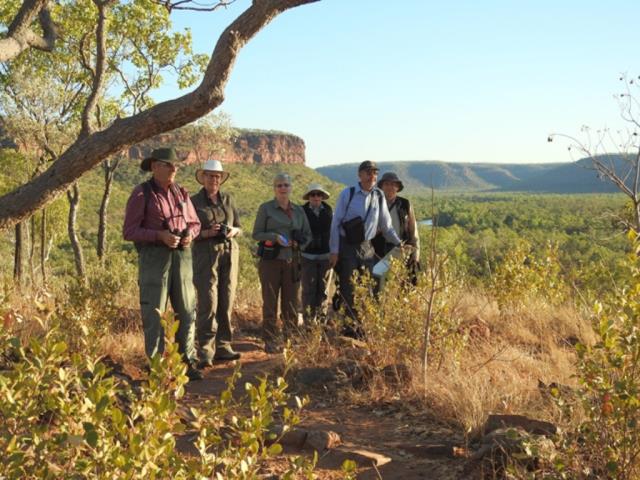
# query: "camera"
{"type": "Point", "coordinates": [224, 230]}
{"type": "Point", "coordinates": [182, 234]}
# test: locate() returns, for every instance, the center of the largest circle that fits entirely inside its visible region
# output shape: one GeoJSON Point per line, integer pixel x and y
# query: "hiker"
{"type": "Point", "coordinates": [403, 219]}
{"type": "Point", "coordinates": [316, 270]}
{"type": "Point", "coordinates": [360, 212]}
{"type": "Point", "coordinates": [282, 230]}
{"type": "Point", "coordinates": [215, 264]}
{"type": "Point", "coordinates": [162, 222]}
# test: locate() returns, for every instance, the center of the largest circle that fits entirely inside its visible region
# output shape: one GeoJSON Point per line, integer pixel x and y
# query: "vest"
{"type": "Point", "coordinates": [320, 229]}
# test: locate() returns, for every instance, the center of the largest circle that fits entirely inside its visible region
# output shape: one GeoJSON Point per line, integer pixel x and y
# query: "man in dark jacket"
{"type": "Point", "coordinates": [316, 269]}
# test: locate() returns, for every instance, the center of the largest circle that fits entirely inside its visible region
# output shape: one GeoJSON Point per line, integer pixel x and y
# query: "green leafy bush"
{"type": "Point", "coordinates": [64, 415]}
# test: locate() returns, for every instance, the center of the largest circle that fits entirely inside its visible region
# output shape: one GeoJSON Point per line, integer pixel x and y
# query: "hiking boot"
{"type": "Point", "coordinates": [204, 363]}
{"type": "Point", "coordinates": [226, 353]}
{"type": "Point", "coordinates": [193, 373]}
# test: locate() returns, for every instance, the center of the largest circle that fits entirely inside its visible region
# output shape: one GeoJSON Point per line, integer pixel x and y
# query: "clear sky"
{"type": "Point", "coordinates": [457, 81]}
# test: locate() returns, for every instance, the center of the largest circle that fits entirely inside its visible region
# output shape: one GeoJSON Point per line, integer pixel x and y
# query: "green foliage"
{"type": "Point", "coordinates": [63, 415]}
{"type": "Point", "coordinates": [395, 319]}
{"type": "Point", "coordinates": [606, 444]}
{"type": "Point", "coordinates": [523, 276]}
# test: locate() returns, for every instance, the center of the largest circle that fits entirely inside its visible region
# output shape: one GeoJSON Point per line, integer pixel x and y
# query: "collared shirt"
{"type": "Point", "coordinates": [209, 213]}
{"type": "Point", "coordinates": [172, 206]}
{"type": "Point", "coordinates": [378, 218]}
{"type": "Point", "coordinates": [272, 221]}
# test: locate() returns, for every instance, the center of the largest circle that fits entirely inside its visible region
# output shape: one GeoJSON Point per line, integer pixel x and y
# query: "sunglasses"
{"type": "Point", "coordinates": [316, 194]}
{"type": "Point", "coordinates": [283, 185]}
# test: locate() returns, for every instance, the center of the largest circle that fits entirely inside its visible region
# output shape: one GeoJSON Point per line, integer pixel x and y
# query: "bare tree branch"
{"type": "Point", "coordinates": [20, 36]}
{"type": "Point", "coordinates": [194, 5]}
{"type": "Point", "coordinates": [90, 150]}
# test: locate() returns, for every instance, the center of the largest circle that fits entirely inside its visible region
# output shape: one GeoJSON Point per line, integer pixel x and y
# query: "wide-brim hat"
{"type": "Point", "coordinates": [211, 166]}
{"type": "Point", "coordinates": [316, 187]}
{"type": "Point", "coordinates": [168, 155]}
{"type": "Point", "coordinates": [391, 177]}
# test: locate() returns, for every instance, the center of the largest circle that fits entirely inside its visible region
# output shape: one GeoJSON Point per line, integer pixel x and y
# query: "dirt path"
{"type": "Point", "coordinates": [404, 444]}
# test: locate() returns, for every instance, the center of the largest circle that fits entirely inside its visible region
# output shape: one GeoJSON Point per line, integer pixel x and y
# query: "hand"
{"type": "Point", "coordinates": [168, 238]}
{"type": "Point", "coordinates": [186, 240]}
{"type": "Point", "coordinates": [333, 260]}
{"type": "Point", "coordinates": [233, 232]}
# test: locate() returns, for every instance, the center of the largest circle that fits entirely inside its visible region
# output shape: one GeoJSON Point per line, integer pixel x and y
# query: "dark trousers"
{"type": "Point", "coordinates": [279, 280]}
{"type": "Point", "coordinates": [166, 274]}
{"type": "Point", "coordinates": [315, 274]}
{"type": "Point", "coordinates": [353, 258]}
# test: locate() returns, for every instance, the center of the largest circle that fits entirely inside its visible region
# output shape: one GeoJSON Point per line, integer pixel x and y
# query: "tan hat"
{"type": "Point", "coordinates": [316, 187]}
{"type": "Point", "coordinates": [211, 166]}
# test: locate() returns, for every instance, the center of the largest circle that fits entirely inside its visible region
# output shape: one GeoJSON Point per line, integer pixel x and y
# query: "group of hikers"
{"type": "Point", "coordinates": [188, 253]}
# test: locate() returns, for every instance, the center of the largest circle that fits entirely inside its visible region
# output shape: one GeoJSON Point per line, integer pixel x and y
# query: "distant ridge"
{"type": "Point", "coordinates": [573, 177]}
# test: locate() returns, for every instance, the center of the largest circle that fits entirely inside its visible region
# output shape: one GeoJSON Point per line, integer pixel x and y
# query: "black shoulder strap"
{"type": "Point", "coordinates": [352, 192]}
{"type": "Point", "coordinates": [146, 190]}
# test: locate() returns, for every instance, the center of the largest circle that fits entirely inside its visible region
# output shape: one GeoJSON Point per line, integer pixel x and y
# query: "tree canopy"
{"type": "Point", "coordinates": [105, 41]}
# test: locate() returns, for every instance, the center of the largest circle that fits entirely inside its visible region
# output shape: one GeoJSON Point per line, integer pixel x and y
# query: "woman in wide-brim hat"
{"type": "Point", "coordinates": [316, 269]}
{"type": "Point", "coordinates": [215, 264]}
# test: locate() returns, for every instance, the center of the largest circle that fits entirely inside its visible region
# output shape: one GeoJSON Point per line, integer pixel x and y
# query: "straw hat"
{"type": "Point", "coordinates": [316, 187]}
{"type": "Point", "coordinates": [211, 166]}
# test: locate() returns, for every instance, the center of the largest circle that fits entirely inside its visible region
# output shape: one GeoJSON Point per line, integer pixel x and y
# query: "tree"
{"type": "Point", "coordinates": [90, 149]}
{"type": "Point", "coordinates": [615, 155]}
{"type": "Point", "coordinates": [20, 35]}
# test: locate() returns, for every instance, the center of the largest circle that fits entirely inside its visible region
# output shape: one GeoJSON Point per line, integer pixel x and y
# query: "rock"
{"type": "Point", "coordinates": [315, 376]}
{"type": "Point", "coordinates": [334, 459]}
{"type": "Point", "coordinates": [529, 425]}
{"type": "Point", "coordinates": [397, 374]}
{"type": "Point", "coordinates": [349, 342]}
{"type": "Point", "coordinates": [320, 440]}
{"type": "Point", "coordinates": [358, 374]}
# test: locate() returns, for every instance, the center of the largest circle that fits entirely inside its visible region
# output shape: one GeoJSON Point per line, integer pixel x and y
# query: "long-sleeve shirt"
{"type": "Point", "coordinates": [272, 221]}
{"type": "Point", "coordinates": [165, 209]}
{"type": "Point", "coordinates": [378, 218]}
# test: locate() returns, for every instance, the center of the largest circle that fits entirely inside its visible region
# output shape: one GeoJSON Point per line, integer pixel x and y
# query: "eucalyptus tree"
{"type": "Point", "coordinates": [20, 33]}
{"type": "Point", "coordinates": [97, 141]}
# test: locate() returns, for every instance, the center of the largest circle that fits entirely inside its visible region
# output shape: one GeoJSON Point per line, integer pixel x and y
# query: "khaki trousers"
{"type": "Point", "coordinates": [215, 275]}
{"type": "Point", "coordinates": [278, 279]}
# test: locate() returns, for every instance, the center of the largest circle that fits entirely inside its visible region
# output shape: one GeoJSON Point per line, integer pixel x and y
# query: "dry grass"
{"type": "Point", "coordinates": [505, 355]}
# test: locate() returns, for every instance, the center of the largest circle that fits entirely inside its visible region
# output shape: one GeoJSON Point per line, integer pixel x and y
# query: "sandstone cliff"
{"type": "Point", "coordinates": [246, 146]}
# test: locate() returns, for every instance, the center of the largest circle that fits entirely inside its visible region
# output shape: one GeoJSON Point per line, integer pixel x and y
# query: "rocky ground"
{"type": "Point", "coordinates": [389, 441]}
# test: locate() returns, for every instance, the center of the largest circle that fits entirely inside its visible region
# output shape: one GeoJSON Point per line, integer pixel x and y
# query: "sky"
{"type": "Point", "coordinates": [459, 81]}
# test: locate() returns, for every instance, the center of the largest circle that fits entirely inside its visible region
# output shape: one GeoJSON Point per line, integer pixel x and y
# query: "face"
{"type": "Point", "coordinates": [282, 189]}
{"type": "Point", "coordinates": [315, 198]}
{"type": "Point", "coordinates": [211, 181]}
{"type": "Point", "coordinates": [390, 189]}
{"type": "Point", "coordinates": [163, 172]}
{"type": "Point", "coordinates": [368, 178]}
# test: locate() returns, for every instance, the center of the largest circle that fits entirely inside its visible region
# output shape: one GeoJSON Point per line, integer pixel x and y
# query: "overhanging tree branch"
{"type": "Point", "coordinates": [20, 36]}
{"type": "Point", "coordinates": [90, 150]}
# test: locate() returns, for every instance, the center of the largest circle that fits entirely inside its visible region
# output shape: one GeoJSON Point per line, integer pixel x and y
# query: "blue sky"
{"type": "Point", "coordinates": [458, 81]}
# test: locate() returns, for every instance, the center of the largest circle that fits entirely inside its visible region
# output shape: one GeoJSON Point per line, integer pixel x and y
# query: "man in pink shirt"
{"type": "Point", "coordinates": [161, 220]}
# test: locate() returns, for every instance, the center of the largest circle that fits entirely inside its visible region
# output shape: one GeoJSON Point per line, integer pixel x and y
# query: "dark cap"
{"type": "Point", "coordinates": [368, 165]}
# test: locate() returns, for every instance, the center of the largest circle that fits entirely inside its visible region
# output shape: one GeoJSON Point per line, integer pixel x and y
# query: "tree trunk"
{"type": "Point", "coordinates": [43, 242]}
{"type": "Point", "coordinates": [88, 151]}
{"type": "Point", "coordinates": [18, 254]}
{"type": "Point", "coordinates": [109, 167]}
{"type": "Point", "coordinates": [73, 195]}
